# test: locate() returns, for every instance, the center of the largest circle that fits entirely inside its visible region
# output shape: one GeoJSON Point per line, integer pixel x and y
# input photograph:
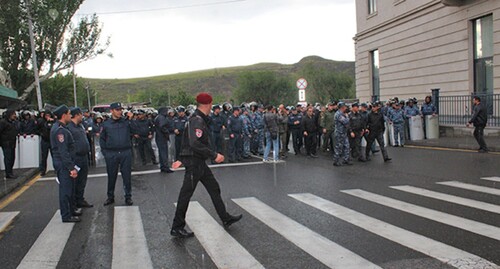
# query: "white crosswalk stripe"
{"type": "Point", "coordinates": [130, 249]}
{"type": "Point", "coordinates": [450, 198]}
{"type": "Point", "coordinates": [47, 249]}
{"type": "Point", "coordinates": [224, 250]}
{"type": "Point", "coordinates": [445, 218]}
{"type": "Point", "coordinates": [495, 179]}
{"type": "Point", "coordinates": [324, 250]}
{"type": "Point", "coordinates": [6, 219]}
{"type": "Point", "coordinates": [447, 254]}
{"type": "Point", "coordinates": [470, 187]}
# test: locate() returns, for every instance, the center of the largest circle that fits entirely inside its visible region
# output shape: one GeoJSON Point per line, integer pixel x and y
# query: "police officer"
{"type": "Point", "coordinates": [28, 125]}
{"type": "Point", "coordinates": [341, 154]}
{"type": "Point", "coordinates": [217, 124]}
{"type": "Point", "coordinates": [63, 148]}
{"type": "Point", "coordinates": [258, 125]}
{"type": "Point", "coordinates": [179, 123]}
{"type": "Point", "coordinates": [142, 130]}
{"type": "Point", "coordinates": [162, 138]}
{"type": "Point", "coordinates": [235, 130]}
{"type": "Point", "coordinates": [80, 156]}
{"type": "Point", "coordinates": [44, 124]}
{"type": "Point", "coordinates": [376, 128]}
{"type": "Point", "coordinates": [8, 135]}
{"type": "Point", "coordinates": [327, 119]}
{"type": "Point", "coordinates": [357, 127]}
{"type": "Point", "coordinates": [116, 145]}
{"type": "Point", "coordinates": [397, 119]}
{"type": "Point", "coordinates": [195, 150]}
{"type": "Point", "coordinates": [411, 110]}
{"type": "Point", "coordinates": [295, 126]}
{"type": "Point", "coordinates": [247, 132]}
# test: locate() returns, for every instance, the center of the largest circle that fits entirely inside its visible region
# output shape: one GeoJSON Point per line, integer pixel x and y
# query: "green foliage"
{"type": "Point", "coordinates": [58, 42]}
{"type": "Point", "coordinates": [324, 85]}
{"type": "Point", "coordinates": [58, 90]}
{"type": "Point", "coordinates": [265, 87]}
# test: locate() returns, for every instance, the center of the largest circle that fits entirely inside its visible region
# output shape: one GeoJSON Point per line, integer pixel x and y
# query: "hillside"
{"type": "Point", "coordinates": [218, 81]}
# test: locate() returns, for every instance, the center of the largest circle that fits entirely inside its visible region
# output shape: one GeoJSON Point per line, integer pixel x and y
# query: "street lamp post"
{"type": "Point", "coordinates": [33, 56]}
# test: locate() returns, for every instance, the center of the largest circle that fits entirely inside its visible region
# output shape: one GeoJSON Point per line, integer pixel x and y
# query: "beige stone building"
{"type": "Point", "coordinates": [406, 48]}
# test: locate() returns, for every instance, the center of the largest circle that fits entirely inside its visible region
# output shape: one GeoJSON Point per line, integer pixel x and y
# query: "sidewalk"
{"type": "Point", "coordinates": [469, 143]}
{"type": "Point", "coordinates": [9, 185]}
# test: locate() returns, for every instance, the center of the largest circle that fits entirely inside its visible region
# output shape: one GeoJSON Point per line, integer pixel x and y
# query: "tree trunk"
{"type": "Point", "coordinates": [28, 90]}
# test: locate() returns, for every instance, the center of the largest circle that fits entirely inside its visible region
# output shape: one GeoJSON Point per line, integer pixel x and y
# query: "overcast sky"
{"type": "Point", "coordinates": [217, 33]}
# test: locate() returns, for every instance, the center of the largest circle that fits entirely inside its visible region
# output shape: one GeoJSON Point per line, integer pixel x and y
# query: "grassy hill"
{"type": "Point", "coordinates": [218, 81]}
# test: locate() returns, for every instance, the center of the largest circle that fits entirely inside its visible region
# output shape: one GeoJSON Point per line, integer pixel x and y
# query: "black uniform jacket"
{"type": "Point", "coordinates": [196, 140]}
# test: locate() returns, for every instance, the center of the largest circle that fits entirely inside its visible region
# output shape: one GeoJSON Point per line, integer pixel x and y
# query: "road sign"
{"type": "Point", "coordinates": [302, 95]}
{"type": "Point", "coordinates": [302, 83]}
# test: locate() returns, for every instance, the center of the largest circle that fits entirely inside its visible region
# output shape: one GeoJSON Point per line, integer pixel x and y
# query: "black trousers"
{"type": "Point", "coordinates": [479, 136]}
{"type": "Point", "coordinates": [81, 180]}
{"type": "Point", "coordinates": [121, 160]}
{"type": "Point", "coordinates": [380, 139]}
{"type": "Point", "coordinates": [145, 146]}
{"type": "Point", "coordinates": [235, 147]}
{"type": "Point", "coordinates": [297, 138]}
{"type": "Point", "coordinates": [311, 143]}
{"type": "Point", "coordinates": [45, 146]}
{"type": "Point", "coordinates": [9, 157]}
{"type": "Point", "coordinates": [355, 144]}
{"type": "Point", "coordinates": [196, 171]}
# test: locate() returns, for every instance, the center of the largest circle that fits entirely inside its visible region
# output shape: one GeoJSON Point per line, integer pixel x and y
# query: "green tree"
{"type": "Point", "coordinates": [59, 43]}
{"type": "Point", "coordinates": [324, 85]}
{"type": "Point", "coordinates": [58, 90]}
{"type": "Point", "coordinates": [266, 87]}
{"type": "Point", "coordinates": [182, 98]}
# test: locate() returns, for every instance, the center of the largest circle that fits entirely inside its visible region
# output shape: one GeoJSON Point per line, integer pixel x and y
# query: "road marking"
{"type": "Point", "coordinates": [224, 250]}
{"type": "Point", "coordinates": [47, 249]}
{"type": "Point", "coordinates": [470, 187]}
{"type": "Point", "coordinates": [6, 219]}
{"type": "Point", "coordinates": [432, 248]}
{"type": "Point", "coordinates": [130, 249]}
{"type": "Point", "coordinates": [445, 218]}
{"type": "Point", "coordinates": [450, 198]}
{"type": "Point", "coordinates": [18, 193]}
{"type": "Point", "coordinates": [329, 253]}
{"type": "Point", "coordinates": [496, 179]}
{"type": "Point", "coordinates": [157, 171]}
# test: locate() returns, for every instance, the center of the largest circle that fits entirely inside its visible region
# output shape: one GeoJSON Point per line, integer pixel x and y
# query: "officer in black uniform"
{"type": "Point", "coordinates": [63, 147]}
{"type": "Point", "coordinates": [116, 145]}
{"type": "Point", "coordinates": [357, 128]}
{"type": "Point", "coordinates": [179, 123]}
{"type": "Point", "coordinates": [80, 155]}
{"type": "Point", "coordinates": [45, 124]}
{"type": "Point", "coordinates": [8, 136]}
{"type": "Point", "coordinates": [216, 125]}
{"type": "Point", "coordinates": [142, 129]}
{"type": "Point", "coordinates": [196, 149]}
{"type": "Point", "coordinates": [235, 130]}
{"type": "Point", "coordinates": [295, 126]}
{"type": "Point", "coordinates": [161, 137]}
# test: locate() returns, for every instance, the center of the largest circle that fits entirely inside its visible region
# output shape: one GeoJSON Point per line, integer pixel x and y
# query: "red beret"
{"type": "Point", "coordinates": [204, 98]}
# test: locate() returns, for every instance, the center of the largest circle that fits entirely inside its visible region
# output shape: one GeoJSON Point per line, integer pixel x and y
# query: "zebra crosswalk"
{"type": "Point", "coordinates": [130, 247]}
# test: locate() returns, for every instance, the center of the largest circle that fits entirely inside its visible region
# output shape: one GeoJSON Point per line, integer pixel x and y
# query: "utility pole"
{"type": "Point", "coordinates": [33, 57]}
{"type": "Point", "coordinates": [74, 80]}
{"type": "Point", "coordinates": [87, 87]}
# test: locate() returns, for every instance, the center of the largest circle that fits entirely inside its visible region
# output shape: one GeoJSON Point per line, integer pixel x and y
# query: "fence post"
{"type": "Point", "coordinates": [435, 98]}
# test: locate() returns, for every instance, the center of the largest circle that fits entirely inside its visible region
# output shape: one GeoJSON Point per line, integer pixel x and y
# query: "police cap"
{"type": "Point", "coordinates": [116, 106]}
{"type": "Point", "coordinates": [75, 111]}
{"type": "Point", "coordinates": [61, 110]}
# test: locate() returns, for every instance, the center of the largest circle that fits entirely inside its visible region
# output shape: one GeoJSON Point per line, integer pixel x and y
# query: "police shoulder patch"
{"type": "Point", "coordinates": [199, 133]}
{"type": "Point", "coordinates": [60, 138]}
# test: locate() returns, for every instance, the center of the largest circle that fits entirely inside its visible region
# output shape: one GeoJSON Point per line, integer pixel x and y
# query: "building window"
{"type": "Point", "coordinates": [375, 74]}
{"type": "Point", "coordinates": [372, 7]}
{"type": "Point", "coordinates": [483, 55]}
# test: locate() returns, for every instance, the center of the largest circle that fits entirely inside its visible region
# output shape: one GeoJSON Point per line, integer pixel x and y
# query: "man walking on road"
{"type": "Point", "coordinates": [195, 150]}
{"type": "Point", "coordinates": [479, 120]}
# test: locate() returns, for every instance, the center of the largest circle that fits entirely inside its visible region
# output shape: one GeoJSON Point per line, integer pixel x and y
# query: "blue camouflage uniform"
{"type": "Point", "coordinates": [235, 129]}
{"type": "Point", "coordinates": [62, 147]}
{"type": "Point", "coordinates": [247, 134]}
{"type": "Point", "coordinates": [341, 150]}
{"type": "Point", "coordinates": [80, 156]}
{"type": "Point", "coordinates": [396, 116]}
{"type": "Point", "coordinates": [258, 138]}
{"type": "Point", "coordinates": [179, 124]}
{"type": "Point", "coordinates": [116, 145]}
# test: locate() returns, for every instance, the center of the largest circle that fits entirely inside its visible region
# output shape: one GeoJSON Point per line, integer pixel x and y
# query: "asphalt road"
{"type": "Point", "coordinates": [301, 213]}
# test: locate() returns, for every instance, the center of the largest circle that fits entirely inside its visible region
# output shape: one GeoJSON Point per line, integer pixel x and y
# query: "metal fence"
{"type": "Point", "coordinates": [457, 110]}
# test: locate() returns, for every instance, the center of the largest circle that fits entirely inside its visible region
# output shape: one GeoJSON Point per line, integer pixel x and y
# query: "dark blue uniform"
{"type": "Point", "coordinates": [217, 121]}
{"type": "Point", "coordinates": [80, 156]}
{"type": "Point", "coordinates": [63, 148]}
{"type": "Point", "coordinates": [116, 145]}
{"type": "Point", "coordinates": [44, 129]}
{"type": "Point", "coordinates": [161, 124]}
{"type": "Point", "coordinates": [179, 125]}
{"type": "Point", "coordinates": [235, 130]}
{"type": "Point", "coordinates": [143, 129]}
{"type": "Point", "coordinates": [296, 130]}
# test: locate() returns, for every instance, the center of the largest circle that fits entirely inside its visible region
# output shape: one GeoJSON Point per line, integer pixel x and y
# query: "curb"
{"type": "Point", "coordinates": [445, 148]}
{"type": "Point", "coordinates": [20, 181]}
